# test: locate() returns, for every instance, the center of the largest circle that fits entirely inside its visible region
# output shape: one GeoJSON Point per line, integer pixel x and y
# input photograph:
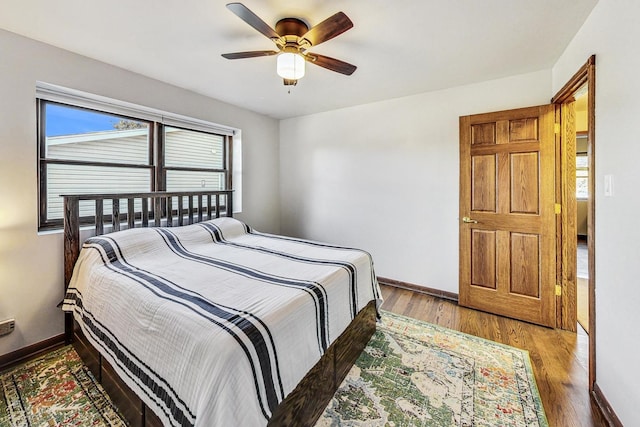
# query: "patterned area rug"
{"type": "Point", "coordinates": [54, 390]}
{"type": "Point", "coordinates": [411, 373]}
{"type": "Point", "coordinates": [416, 374]}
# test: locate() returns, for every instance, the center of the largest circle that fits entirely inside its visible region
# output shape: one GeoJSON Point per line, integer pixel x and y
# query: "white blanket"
{"type": "Point", "coordinates": [213, 324]}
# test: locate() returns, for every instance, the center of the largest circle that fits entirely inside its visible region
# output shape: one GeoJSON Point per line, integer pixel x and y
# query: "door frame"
{"type": "Point", "coordinates": [585, 75]}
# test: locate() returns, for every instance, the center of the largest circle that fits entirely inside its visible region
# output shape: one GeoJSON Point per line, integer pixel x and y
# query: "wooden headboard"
{"type": "Point", "coordinates": [153, 209]}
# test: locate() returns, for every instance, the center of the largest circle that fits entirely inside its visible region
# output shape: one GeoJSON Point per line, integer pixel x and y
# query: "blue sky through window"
{"type": "Point", "coordinates": [63, 120]}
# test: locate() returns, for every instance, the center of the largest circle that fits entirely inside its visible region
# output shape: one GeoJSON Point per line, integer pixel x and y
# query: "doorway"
{"type": "Point", "coordinates": [579, 89]}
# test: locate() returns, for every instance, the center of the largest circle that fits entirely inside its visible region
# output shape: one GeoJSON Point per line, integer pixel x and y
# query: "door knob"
{"type": "Point", "coordinates": [468, 220]}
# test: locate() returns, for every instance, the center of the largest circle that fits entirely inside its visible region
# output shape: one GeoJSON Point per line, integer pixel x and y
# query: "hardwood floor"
{"type": "Point", "coordinates": [583, 284]}
{"type": "Point", "coordinates": [559, 358]}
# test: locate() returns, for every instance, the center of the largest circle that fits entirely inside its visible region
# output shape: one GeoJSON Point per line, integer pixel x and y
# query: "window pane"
{"type": "Point", "coordinates": [79, 134]}
{"type": "Point", "coordinates": [194, 181]}
{"type": "Point", "coordinates": [73, 179]}
{"type": "Point", "coordinates": [582, 176]}
{"type": "Point", "coordinates": [582, 188]}
{"type": "Point", "coordinates": [582, 161]}
{"type": "Point", "coordinates": [187, 148]}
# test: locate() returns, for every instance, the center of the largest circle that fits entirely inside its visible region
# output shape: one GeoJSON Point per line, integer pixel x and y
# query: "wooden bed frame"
{"type": "Point", "coordinates": [302, 407]}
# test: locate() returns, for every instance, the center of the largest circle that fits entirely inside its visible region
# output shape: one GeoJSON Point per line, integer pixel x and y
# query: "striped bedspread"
{"type": "Point", "coordinates": [213, 324]}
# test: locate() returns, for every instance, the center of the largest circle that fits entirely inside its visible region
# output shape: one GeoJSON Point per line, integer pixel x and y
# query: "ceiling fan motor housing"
{"type": "Point", "coordinates": [291, 27]}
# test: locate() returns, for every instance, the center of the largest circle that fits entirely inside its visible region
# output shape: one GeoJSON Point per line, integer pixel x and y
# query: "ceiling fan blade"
{"type": "Point", "coordinates": [331, 63]}
{"type": "Point", "coordinates": [328, 29]}
{"type": "Point", "coordinates": [252, 19]}
{"type": "Point", "coordinates": [250, 54]}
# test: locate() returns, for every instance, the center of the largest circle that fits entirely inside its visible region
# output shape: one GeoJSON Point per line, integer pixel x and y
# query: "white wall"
{"type": "Point", "coordinates": [31, 264]}
{"type": "Point", "coordinates": [611, 33]}
{"type": "Point", "coordinates": [384, 177]}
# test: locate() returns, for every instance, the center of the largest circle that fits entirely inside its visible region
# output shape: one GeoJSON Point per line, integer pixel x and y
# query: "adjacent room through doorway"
{"type": "Point", "coordinates": [582, 202]}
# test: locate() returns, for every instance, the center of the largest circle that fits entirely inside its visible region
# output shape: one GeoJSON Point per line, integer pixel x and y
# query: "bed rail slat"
{"type": "Point", "coordinates": [169, 203]}
{"type": "Point", "coordinates": [209, 206]}
{"type": "Point", "coordinates": [180, 211]}
{"type": "Point", "coordinates": [157, 211]}
{"type": "Point", "coordinates": [131, 212]}
{"type": "Point", "coordinates": [145, 212]}
{"type": "Point", "coordinates": [115, 214]}
{"type": "Point", "coordinates": [190, 210]}
{"type": "Point", "coordinates": [99, 216]}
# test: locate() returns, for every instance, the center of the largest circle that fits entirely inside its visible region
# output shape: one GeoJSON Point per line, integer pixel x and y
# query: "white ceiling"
{"type": "Point", "coordinates": [401, 47]}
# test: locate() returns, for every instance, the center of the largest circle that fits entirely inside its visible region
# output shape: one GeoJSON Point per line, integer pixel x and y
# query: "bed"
{"type": "Point", "coordinates": [190, 317]}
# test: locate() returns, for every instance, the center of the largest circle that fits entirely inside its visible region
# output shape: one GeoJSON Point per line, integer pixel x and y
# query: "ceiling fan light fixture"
{"type": "Point", "coordinates": [290, 66]}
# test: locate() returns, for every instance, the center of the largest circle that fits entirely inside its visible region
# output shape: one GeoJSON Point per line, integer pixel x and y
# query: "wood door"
{"type": "Point", "coordinates": [507, 213]}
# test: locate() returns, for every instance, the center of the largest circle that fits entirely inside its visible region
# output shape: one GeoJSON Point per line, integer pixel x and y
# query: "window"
{"type": "Point", "coordinates": [194, 160]}
{"type": "Point", "coordinates": [582, 176]}
{"type": "Point", "coordinates": [84, 150]}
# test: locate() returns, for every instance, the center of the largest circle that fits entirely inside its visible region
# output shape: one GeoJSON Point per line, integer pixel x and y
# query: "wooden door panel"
{"type": "Point", "coordinates": [523, 129]}
{"type": "Point", "coordinates": [483, 171]}
{"type": "Point", "coordinates": [507, 250]}
{"type": "Point", "coordinates": [524, 179]}
{"type": "Point", "coordinates": [525, 265]}
{"type": "Point", "coordinates": [483, 133]}
{"type": "Point", "coordinates": [483, 262]}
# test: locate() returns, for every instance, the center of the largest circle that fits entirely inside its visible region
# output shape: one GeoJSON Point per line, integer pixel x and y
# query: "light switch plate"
{"type": "Point", "coordinates": [608, 185]}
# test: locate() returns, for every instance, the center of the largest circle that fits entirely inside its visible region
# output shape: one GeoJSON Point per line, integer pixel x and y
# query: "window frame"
{"type": "Point", "coordinates": [156, 153]}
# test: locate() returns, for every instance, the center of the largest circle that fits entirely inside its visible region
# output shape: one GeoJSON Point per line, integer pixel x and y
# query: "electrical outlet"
{"type": "Point", "coordinates": [7, 326]}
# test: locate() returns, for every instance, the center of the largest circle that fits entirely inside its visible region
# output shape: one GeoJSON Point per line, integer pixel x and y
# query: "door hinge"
{"type": "Point", "coordinates": [558, 208]}
{"type": "Point", "coordinates": [556, 128]}
{"type": "Point", "coordinates": [558, 290]}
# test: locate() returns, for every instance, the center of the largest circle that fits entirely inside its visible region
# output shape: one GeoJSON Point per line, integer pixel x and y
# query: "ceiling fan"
{"type": "Point", "coordinates": [294, 38]}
